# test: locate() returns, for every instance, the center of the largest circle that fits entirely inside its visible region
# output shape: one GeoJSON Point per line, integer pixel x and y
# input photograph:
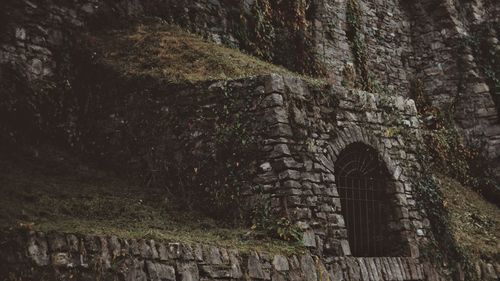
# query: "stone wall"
{"type": "Point", "coordinates": [40, 256]}
{"type": "Point", "coordinates": [402, 41]}
{"type": "Point", "coordinates": [449, 70]}
{"type": "Point", "coordinates": [269, 138]}
{"type": "Point", "coordinates": [29, 255]}
{"type": "Point", "coordinates": [172, 134]}
{"type": "Point", "coordinates": [38, 36]}
{"type": "Point", "coordinates": [384, 35]}
{"type": "Point", "coordinates": [312, 129]}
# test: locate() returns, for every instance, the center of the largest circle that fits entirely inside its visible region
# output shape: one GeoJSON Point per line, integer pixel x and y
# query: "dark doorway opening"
{"type": "Point", "coordinates": [362, 181]}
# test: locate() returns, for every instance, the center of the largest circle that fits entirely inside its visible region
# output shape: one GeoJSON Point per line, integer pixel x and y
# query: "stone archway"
{"type": "Point", "coordinates": [364, 171]}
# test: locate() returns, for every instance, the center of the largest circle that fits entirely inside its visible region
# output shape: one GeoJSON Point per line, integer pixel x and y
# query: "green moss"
{"type": "Point", "coordinates": [171, 54]}
{"type": "Point", "coordinates": [66, 198]}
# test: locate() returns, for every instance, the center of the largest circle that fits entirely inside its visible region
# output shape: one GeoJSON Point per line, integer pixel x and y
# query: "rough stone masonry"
{"type": "Point", "coordinates": [301, 131]}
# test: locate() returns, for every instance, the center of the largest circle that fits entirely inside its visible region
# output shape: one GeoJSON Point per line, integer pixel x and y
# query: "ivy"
{"type": "Point", "coordinates": [361, 77]}
{"type": "Point", "coordinates": [444, 152]}
{"type": "Point", "coordinates": [487, 58]}
{"type": "Point", "coordinates": [448, 152]}
{"type": "Point", "coordinates": [355, 38]}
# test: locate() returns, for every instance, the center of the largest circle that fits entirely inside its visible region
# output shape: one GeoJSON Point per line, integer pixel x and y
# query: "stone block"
{"type": "Point", "coordinates": [255, 268]}
{"type": "Point", "coordinates": [274, 84]}
{"type": "Point", "coordinates": [160, 272]}
{"type": "Point", "coordinates": [280, 263]}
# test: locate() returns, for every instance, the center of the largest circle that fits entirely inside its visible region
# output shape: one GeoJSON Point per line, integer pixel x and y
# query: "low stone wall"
{"type": "Point", "coordinates": [32, 255]}
{"type": "Point", "coordinates": [40, 256]}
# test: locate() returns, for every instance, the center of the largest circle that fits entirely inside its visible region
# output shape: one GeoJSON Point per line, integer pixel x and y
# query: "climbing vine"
{"type": "Point", "coordinates": [448, 152]}
{"type": "Point", "coordinates": [481, 44]}
{"type": "Point", "coordinates": [360, 76]}
{"type": "Point", "coordinates": [280, 31]}
{"type": "Point", "coordinates": [354, 35]}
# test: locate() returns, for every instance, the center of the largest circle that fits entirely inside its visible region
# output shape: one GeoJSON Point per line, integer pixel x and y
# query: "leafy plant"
{"type": "Point", "coordinates": [265, 220]}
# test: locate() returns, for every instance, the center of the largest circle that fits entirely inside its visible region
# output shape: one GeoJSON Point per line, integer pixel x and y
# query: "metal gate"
{"type": "Point", "coordinates": [363, 207]}
{"type": "Point", "coordinates": [362, 183]}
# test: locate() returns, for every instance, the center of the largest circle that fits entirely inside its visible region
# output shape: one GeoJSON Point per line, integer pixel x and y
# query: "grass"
{"type": "Point", "coordinates": [167, 52]}
{"type": "Point", "coordinates": [475, 222]}
{"type": "Point", "coordinates": [62, 195]}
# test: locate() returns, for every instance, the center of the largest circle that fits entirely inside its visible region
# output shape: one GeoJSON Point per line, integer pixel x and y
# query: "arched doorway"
{"type": "Point", "coordinates": [362, 181]}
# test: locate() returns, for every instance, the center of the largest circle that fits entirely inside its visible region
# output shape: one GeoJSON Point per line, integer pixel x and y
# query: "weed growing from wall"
{"type": "Point", "coordinates": [449, 153]}
{"type": "Point", "coordinates": [444, 152]}
{"type": "Point", "coordinates": [266, 221]}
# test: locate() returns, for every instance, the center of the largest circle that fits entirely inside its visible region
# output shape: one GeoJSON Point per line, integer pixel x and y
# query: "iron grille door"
{"type": "Point", "coordinates": [363, 207]}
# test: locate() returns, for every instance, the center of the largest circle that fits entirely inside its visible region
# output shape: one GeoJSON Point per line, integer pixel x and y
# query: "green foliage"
{"type": "Point", "coordinates": [37, 111]}
{"type": "Point", "coordinates": [474, 221]}
{"type": "Point", "coordinates": [279, 31]}
{"type": "Point", "coordinates": [168, 53]}
{"type": "Point", "coordinates": [265, 220]}
{"type": "Point", "coordinates": [448, 154]}
{"type": "Point", "coordinates": [236, 148]}
{"type": "Point", "coordinates": [362, 77]}
{"type": "Point", "coordinates": [487, 55]}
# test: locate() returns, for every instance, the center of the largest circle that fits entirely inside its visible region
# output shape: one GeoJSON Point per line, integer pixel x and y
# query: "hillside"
{"type": "Point", "coordinates": [169, 53]}
{"type": "Point", "coordinates": [55, 192]}
{"type": "Point", "coordinates": [266, 140]}
{"type": "Point", "coordinates": [475, 221]}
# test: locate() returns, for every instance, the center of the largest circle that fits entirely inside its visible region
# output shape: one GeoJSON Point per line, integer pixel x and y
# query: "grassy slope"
{"type": "Point", "coordinates": [62, 195]}
{"type": "Point", "coordinates": [171, 54]}
{"type": "Point", "coordinates": [475, 221]}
